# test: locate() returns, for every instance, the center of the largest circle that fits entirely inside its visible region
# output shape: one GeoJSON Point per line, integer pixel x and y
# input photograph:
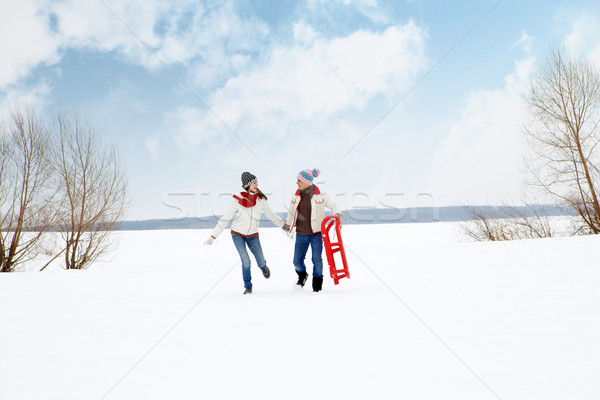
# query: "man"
{"type": "Point", "coordinates": [307, 211]}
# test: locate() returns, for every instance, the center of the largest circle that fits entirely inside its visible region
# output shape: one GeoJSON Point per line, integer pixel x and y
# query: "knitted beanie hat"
{"type": "Point", "coordinates": [308, 175]}
{"type": "Point", "coordinates": [247, 179]}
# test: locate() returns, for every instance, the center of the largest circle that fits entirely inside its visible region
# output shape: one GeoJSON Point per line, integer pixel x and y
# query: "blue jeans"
{"type": "Point", "coordinates": [316, 243]}
{"type": "Point", "coordinates": [253, 243]}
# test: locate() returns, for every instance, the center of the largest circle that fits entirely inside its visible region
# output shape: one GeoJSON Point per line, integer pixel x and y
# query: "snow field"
{"type": "Point", "coordinates": [423, 316]}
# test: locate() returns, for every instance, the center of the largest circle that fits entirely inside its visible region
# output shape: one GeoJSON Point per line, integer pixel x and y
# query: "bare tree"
{"type": "Point", "coordinates": [562, 133]}
{"type": "Point", "coordinates": [26, 193]}
{"type": "Point", "coordinates": [93, 183]}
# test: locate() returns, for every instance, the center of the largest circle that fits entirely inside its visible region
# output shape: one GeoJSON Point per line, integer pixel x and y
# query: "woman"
{"type": "Point", "coordinates": [307, 211]}
{"type": "Point", "coordinates": [245, 211]}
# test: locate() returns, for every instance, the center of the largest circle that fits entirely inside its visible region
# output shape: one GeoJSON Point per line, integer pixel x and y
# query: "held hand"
{"type": "Point", "coordinates": [288, 231]}
{"type": "Point", "coordinates": [209, 241]}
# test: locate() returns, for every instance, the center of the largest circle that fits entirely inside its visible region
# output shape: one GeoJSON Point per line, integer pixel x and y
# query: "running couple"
{"type": "Point", "coordinates": [307, 211]}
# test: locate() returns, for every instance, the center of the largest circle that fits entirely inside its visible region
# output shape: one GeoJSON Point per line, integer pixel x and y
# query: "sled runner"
{"type": "Point", "coordinates": [337, 272]}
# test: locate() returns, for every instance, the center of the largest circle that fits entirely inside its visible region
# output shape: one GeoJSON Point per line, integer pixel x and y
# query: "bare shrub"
{"type": "Point", "coordinates": [507, 223]}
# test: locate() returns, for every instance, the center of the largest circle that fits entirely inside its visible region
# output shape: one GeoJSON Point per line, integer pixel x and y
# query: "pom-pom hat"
{"type": "Point", "coordinates": [308, 175]}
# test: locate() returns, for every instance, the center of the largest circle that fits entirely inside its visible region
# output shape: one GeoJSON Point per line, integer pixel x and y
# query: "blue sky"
{"type": "Point", "coordinates": [398, 103]}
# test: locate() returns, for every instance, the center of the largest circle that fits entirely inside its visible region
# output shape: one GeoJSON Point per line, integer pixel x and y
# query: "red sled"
{"type": "Point", "coordinates": [331, 248]}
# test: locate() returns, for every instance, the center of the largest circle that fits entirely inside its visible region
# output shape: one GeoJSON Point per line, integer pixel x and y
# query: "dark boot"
{"type": "Point", "coordinates": [317, 284]}
{"type": "Point", "coordinates": [266, 272]}
{"type": "Point", "coordinates": [302, 277]}
{"type": "Point", "coordinates": [248, 290]}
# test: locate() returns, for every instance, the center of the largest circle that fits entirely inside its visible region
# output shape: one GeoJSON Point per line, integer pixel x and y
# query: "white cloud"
{"type": "Point", "coordinates": [41, 30]}
{"type": "Point", "coordinates": [177, 32]}
{"type": "Point", "coordinates": [192, 127]}
{"type": "Point", "coordinates": [153, 144]}
{"type": "Point", "coordinates": [584, 37]}
{"type": "Point", "coordinates": [480, 161]}
{"type": "Point", "coordinates": [215, 41]}
{"type": "Point", "coordinates": [371, 9]}
{"type": "Point", "coordinates": [525, 43]}
{"type": "Point", "coordinates": [304, 34]}
{"type": "Point", "coordinates": [34, 97]}
{"type": "Point", "coordinates": [346, 3]}
{"type": "Point", "coordinates": [26, 41]}
{"type": "Point", "coordinates": [317, 78]}
{"type": "Point", "coordinates": [106, 26]}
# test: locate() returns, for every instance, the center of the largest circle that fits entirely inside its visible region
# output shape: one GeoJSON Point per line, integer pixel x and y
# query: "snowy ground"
{"type": "Point", "coordinates": [422, 317]}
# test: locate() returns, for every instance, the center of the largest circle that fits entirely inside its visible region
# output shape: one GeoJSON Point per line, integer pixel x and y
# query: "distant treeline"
{"type": "Point", "coordinates": [359, 217]}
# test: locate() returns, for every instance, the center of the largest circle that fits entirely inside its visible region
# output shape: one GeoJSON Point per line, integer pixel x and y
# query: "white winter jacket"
{"type": "Point", "coordinates": [318, 202]}
{"type": "Point", "coordinates": [245, 219]}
